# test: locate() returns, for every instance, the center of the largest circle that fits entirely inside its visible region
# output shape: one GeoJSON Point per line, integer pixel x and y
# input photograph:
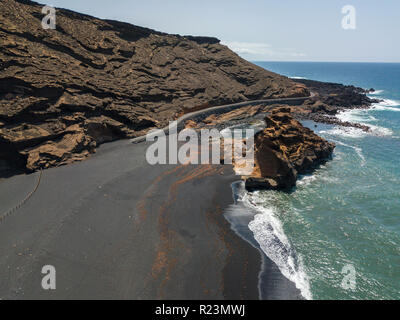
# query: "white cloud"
{"type": "Point", "coordinates": [257, 50]}
{"type": "Point", "coordinates": [249, 47]}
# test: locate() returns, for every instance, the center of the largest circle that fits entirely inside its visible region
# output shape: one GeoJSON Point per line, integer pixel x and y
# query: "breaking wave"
{"type": "Point", "coordinates": [297, 78]}
{"type": "Point", "coordinates": [362, 116]}
{"type": "Point", "coordinates": [376, 92]}
{"type": "Point", "coordinates": [357, 150]}
{"type": "Point", "coordinates": [386, 105]}
{"type": "Point", "coordinates": [268, 232]}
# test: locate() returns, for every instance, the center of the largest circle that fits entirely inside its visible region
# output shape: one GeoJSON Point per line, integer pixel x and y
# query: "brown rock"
{"type": "Point", "coordinates": [72, 147]}
{"type": "Point", "coordinates": [234, 115]}
{"type": "Point", "coordinates": [283, 150]}
{"type": "Point", "coordinates": [190, 124]}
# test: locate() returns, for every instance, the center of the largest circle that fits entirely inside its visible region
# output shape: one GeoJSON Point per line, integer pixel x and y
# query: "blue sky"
{"type": "Point", "coordinates": [270, 30]}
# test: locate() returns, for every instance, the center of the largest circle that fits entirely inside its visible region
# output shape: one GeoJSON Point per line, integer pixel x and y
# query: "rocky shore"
{"type": "Point", "coordinates": [283, 150]}
{"type": "Point", "coordinates": [331, 98]}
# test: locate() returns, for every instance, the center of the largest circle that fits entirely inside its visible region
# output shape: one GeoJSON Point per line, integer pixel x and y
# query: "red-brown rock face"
{"type": "Point", "coordinates": [285, 149]}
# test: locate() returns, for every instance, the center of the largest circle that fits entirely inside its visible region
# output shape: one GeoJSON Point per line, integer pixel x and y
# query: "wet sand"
{"type": "Point", "coordinates": [115, 227]}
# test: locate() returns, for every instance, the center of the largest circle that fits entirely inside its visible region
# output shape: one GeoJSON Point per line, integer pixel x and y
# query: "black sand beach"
{"type": "Point", "coordinates": [115, 227]}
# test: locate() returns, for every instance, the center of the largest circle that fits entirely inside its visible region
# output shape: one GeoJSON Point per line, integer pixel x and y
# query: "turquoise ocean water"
{"type": "Point", "coordinates": [346, 216]}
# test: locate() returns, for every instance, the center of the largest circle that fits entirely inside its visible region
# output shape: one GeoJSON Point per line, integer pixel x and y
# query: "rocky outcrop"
{"type": "Point", "coordinates": [323, 118]}
{"type": "Point", "coordinates": [64, 91]}
{"type": "Point", "coordinates": [331, 98]}
{"type": "Point", "coordinates": [336, 95]}
{"type": "Point", "coordinates": [283, 150]}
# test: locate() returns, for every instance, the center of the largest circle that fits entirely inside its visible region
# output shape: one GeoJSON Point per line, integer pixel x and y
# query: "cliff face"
{"type": "Point", "coordinates": [283, 150]}
{"type": "Point", "coordinates": [64, 91]}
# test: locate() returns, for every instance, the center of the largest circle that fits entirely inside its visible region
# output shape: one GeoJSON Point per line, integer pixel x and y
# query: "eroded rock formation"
{"type": "Point", "coordinates": [284, 150]}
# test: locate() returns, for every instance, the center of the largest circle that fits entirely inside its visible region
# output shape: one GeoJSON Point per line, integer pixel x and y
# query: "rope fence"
{"type": "Point", "coordinates": [19, 205]}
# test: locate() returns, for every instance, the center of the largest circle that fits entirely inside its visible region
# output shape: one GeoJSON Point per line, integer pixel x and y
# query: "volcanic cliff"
{"type": "Point", "coordinates": [89, 81]}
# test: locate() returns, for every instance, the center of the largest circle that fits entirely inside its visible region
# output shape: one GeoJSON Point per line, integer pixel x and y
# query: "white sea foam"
{"type": "Point", "coordinates": [356, 115]}
{"type": "Point", "coordinates": [380, 131]}
{"type": "Point", "coordinates": [346, 132]}
{"type": "Point", "coordinates": [386, 105]}
{"type": "Point", "coordinates": [376, 92]}
{"type": "Point", "coordinates": [268, 232]}
{"type": "Point", "coordinates": [361, 116]}
{"type": "Point", "coordinates": [297, 78]}
{"type": "Point", "coordinates": [361, 155]}
{"type": "Point", "coordinates": [358, 151]}
{"type": "Point", "coordinates": [349, 132]}
{"type": "Point", "coordinates": [306, 180]}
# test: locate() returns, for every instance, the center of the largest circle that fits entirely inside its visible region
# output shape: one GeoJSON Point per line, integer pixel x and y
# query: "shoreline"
{"type": "Point", "coordinates": [272, 284]}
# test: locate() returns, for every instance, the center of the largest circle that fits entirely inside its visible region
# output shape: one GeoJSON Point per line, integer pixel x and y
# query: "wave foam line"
{"type": "Point", "coordinates": [360, 116]}
{"type": "Point", "coordinates": [358, 151]}
{"type": "Point", "coordinates": [298, 78]}
{"type": "Point", "coordinates": [346, 132]}
{"type": "Point", "coordinates": [386, 105]}
{"type": "Point", "coordinates": [268, 232]}
{"type": "Point", "coordinates": [376, 92]}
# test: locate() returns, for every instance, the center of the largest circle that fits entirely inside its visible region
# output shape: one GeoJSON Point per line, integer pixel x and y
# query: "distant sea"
{"type": "Point", "coordinates": [344, 219]}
